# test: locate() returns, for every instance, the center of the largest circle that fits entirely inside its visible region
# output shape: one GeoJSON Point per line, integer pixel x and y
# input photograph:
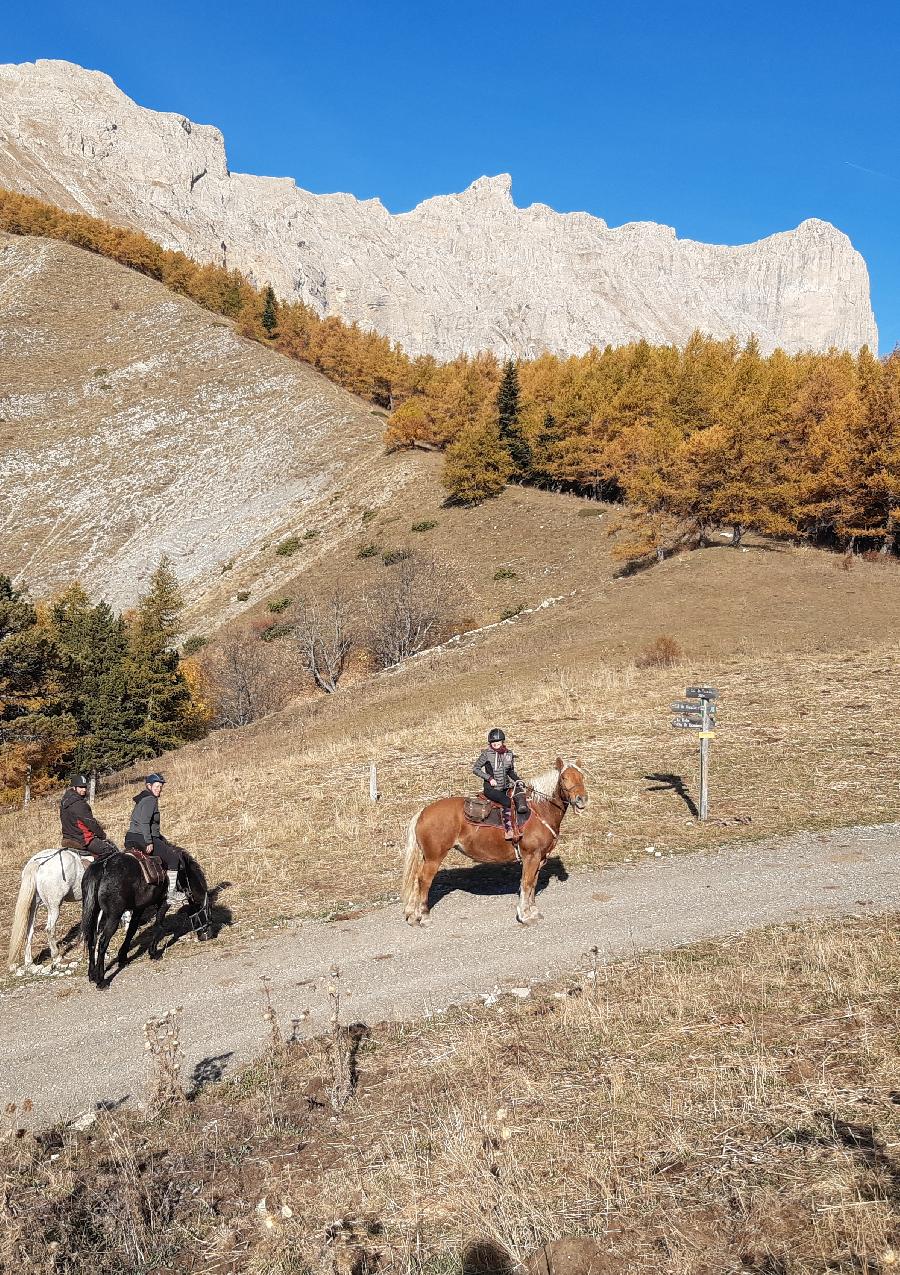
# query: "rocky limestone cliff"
{"type": "Point", "coordinates": [459, 273]}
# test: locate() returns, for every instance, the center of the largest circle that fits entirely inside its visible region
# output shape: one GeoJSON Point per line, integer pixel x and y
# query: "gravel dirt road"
{"type": "Point", "coordinates": [68, 1047]}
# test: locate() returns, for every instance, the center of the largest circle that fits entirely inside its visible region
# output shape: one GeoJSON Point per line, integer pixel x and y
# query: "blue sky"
{"type": "Point", "coordinates": [725, 120]}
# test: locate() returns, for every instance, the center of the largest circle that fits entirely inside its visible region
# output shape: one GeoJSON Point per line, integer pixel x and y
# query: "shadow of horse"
{"type": "Point", "coordinates": [176, 925]}
{"type": "Point", "coordinates": [483, 879]}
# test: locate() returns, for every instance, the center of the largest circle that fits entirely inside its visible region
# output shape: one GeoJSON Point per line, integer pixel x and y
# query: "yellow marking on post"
{"type": "Point", "coordinates": [706, 734]}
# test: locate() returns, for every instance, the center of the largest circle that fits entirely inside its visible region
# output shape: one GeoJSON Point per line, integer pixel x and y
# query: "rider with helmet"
{"type": "Point", "coordinates": [497, 767]}
{"type": "Point", "coordinates": [144, 834]}
{"type": "Point", "coordinates": [80, 830]}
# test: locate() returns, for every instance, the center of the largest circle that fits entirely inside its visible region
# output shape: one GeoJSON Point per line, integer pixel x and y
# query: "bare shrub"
{"type": "Point", "coordinates": [324, 635]}
{"type": "Point", "coordinates": [662, 652]}
{"type": "Point", "coordinates": [248, 678]}
{"type": "Point", "coordinates": [409, 610]}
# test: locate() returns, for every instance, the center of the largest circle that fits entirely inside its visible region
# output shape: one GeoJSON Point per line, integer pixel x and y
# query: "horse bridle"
{"type": "Point", "coordinates": [567, 800]}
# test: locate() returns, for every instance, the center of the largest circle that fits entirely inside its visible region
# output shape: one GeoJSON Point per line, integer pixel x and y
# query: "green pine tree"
{"type": "Point", "coordinates": [92, 644]}
{"type": "Point", "coordinates": [508, 422]}
{"type": "Point", "coordinates": [270, 312]}
{"type": "Point", "coordinates": [156, 687]}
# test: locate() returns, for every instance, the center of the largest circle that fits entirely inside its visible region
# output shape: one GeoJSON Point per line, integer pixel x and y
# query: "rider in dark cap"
{"type": "Point", "coordinates": [80, 830]}
{"type": "Point", "coordinates": [497, 767]}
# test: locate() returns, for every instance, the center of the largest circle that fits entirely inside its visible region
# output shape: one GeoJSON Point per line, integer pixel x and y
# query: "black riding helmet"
{"type": "Point", "coordinates": [79, 781]}
{"type": "Point", "coordinates": [496, 736]}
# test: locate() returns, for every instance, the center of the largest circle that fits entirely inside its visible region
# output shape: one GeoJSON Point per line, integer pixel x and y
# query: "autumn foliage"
{"type": "Point", "coordinates": [709, 436]}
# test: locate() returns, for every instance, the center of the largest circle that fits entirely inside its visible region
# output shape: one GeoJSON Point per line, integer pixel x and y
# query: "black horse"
{"type": "Point", "coordinates": [115, 885]}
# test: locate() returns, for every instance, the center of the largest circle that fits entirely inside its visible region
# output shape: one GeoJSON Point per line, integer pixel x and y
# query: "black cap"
{"type": "Point", "coordinates": [79, 781]}
{"type": "Point", "coordinates": [155, 778]}
{"type": "Point", "coordinates": [496, 736]}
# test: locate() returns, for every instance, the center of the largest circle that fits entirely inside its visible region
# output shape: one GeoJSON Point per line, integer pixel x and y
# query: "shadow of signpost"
{"type": "Point", "coordinates": [676, 784]}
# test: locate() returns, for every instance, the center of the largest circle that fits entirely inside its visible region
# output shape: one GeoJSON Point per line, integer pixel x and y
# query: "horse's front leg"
{"type": "Point", "coordinates": [153, 951]}
{"type": "Point", "coordinates": [526, 912]}
{"type": "Point", "coordinates": [133, 922]}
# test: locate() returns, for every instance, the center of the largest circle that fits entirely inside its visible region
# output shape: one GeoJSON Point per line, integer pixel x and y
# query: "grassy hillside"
{"type": "Point", "coordinates": [798, 743]}
{"type": "Point", "coordinates": [171, 432]}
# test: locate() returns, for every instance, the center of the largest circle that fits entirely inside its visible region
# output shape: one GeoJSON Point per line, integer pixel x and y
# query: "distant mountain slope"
{"type": "Point", "coordinates": [459, 273]}
{"type": "Point", "coordinates": [134, 423]}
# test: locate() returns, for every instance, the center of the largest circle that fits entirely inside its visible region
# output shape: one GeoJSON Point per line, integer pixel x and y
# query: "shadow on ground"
{"type": "Point", "coordinates": [491, 879]}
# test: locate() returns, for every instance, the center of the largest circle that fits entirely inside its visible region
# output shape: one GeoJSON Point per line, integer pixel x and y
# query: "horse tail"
{"type": "Point", "coordinates": [90, 910]}
{"type": "Point", "coordinates": [412, 861]}
{"type": "Point", "coordinates": [24, 907]}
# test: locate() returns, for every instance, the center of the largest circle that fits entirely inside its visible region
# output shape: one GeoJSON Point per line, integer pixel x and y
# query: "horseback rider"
{"type": "Point", "coordinates": [497, 767]}
{"type": "Point", "coordinates": [143, 833]}
{"type": "Point", "coordinates": [80, 830]}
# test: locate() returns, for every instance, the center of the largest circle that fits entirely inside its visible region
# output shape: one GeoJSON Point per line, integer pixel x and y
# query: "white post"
{"type": "Point", "coordinates": [92, 786]}
{"type": "Point", "coordinates": [374, 794]}
{"type": "Point", "coordinates": [27, 787]}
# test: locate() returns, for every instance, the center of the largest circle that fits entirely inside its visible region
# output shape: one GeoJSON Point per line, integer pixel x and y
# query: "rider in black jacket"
{"type": "Point", "coordinates": [80, 830]}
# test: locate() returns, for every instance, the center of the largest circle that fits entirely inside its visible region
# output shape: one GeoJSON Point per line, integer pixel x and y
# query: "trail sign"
{"type": "Point", "coordinates": [697, 711]}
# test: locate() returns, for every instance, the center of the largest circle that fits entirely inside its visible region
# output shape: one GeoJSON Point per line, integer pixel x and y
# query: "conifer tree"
{"type": "Point", "coordinates": [477, 465]}
{"type": "Point", "coordinates": [92, 646]}
{"type": "Point", "coordinates": [270, 312]}
{"type": "Point", "coordinates": [35, 730]}
{"type": "Point", "coordinates": [156, 686]}
{"type": "Point", "coordinates": [546, 448]}
{"type": "Point", "coordinates": [509, 424]}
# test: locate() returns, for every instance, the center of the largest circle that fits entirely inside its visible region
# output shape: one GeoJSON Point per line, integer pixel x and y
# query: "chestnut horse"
{"type": "Point", "coordinates": [442, 826]}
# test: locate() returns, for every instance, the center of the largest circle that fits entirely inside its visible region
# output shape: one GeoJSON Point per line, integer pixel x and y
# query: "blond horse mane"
{"type": "Point", "coordinates": [545, 785]}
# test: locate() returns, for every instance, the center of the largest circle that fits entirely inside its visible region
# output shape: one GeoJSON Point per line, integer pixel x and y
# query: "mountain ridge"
{"type": "Point", "coordinates": [458, 273]}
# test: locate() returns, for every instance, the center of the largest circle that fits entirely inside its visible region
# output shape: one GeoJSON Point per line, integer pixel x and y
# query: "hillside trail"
{"type": "Point", "coordinates": [70, 1048]}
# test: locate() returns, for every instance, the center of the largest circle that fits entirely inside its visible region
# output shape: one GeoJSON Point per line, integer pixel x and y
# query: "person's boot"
{"type": "Point", "coordinates": [507, 824]}
{"type": "Point", "coordinates": [174, 898]}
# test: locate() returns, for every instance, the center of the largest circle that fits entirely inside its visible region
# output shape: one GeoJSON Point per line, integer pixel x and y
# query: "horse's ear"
{"type": "Point", "coordinates": [560, 764]}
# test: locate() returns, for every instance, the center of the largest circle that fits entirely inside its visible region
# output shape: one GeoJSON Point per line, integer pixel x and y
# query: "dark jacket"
{"type": "Point", "coordinates": [496, 769]}
{"type": "Point", "coordinates": [79, 827]}
{"type": "Point", "coordinates": [144, 827]}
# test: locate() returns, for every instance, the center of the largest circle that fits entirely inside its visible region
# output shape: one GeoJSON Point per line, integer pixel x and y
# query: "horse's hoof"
{"type": "Point", "coordinates": [425, 920]}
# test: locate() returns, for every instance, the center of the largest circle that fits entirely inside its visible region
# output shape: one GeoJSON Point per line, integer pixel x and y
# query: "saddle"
{"type": "Point", "coordinates": [489, 814]}
{"type": "Point", "coordinates": [152, 867]}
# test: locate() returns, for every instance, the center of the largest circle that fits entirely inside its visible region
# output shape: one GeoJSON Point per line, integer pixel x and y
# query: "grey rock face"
{"type": "Point", "coordinates": [459, 273]}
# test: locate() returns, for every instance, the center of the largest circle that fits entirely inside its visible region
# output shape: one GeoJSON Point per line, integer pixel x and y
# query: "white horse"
{"type": "Point", "coordinates": [50, 877]}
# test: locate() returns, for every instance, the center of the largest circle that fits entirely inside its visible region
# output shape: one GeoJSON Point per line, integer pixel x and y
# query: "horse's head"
{"type": "Point", "coordinates": [198, 891]}
{"type": "Point", "coordinates": [571, 783]}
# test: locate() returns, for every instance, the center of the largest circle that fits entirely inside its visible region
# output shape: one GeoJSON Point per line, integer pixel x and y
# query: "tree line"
{"type": "Point", "coordinates": [84, 687]}
{"type": "Point", "coordinates": [694, 438]}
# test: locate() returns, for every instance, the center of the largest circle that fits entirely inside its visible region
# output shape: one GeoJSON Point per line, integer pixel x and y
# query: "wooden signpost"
{"type": "Point", "coordinates": [697, 711]}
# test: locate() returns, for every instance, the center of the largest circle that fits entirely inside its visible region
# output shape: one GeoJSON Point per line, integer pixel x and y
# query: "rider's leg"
{"type": "Point", "coordinates": [171, 857]}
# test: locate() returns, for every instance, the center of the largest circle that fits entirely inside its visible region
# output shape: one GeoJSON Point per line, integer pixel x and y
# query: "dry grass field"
{"type": "Point", "coordinates": [281, 808]}
{"type": "Point", "coordinates": [728, 1107]}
